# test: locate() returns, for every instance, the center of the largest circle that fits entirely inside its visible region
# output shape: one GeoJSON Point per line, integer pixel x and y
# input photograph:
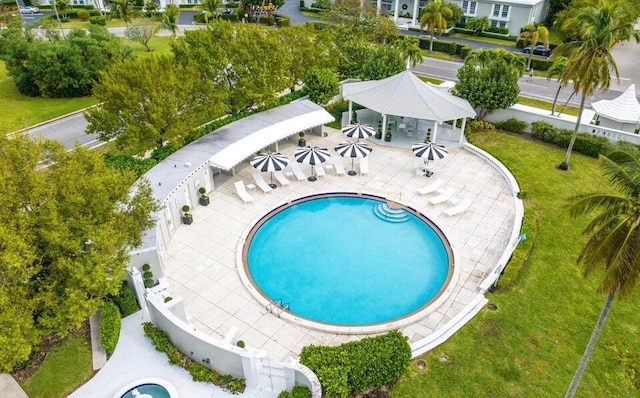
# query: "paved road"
{"type": "Point", "coordinates": [68, 129]}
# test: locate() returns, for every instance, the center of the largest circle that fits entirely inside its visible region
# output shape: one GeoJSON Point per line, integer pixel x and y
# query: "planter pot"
{"type": "Point", "coordinates": [387, 138]}
{"type": "Point", "coordinates": [187, 219]}
{"type": "Point", "coordinates": [379, 134]}
{"type": "Point", "coordinates": [302, 142]}
{"type": "Point", "coordinates": [204, 201]}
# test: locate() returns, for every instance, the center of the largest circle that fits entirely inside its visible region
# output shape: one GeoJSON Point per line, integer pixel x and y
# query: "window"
{"type": "Point", "coordinates": [469, 7]}
{"type": "Point", "coordinates": [500, 11]}
{"type": "Point", "coordinates": [496, 10]}
{"type": "Point", "coordinates": [505, 11]}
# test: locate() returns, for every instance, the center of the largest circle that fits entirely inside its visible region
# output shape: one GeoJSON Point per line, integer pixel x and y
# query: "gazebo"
{"type": "Point", "coordinates": [621, 113]}
{"type": "Point", "coordinates": [406, 95]}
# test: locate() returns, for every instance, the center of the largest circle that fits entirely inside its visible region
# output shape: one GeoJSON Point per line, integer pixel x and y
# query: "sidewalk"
{"type": "Point", "coordinates": [9, 387]}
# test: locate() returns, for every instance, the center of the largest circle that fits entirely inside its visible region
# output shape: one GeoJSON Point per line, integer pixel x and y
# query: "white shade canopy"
{"type": "Point", "coordinates": [406, 95]}
{"type": "Point", "coordinates": [623, 109]}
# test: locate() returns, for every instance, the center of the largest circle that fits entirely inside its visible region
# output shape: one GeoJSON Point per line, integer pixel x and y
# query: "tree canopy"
{"type": "Point", "coordinates": [65, 235]}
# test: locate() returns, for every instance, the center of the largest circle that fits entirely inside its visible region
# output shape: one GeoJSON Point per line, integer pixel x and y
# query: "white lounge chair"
{"type": "Point", "coordinates": [319, 170]}
{"type": "Point", "coordinates": [445, 195]}
{"type": "Point", "coordinates": [241, 190]}
{"type": "Point", "coordinates": [364, 166]}
{"type": "Point", "coordinates": [282, 179]}
{"type": "Point", "coordinates": [338, 165]}
{"type": "Point", "coordinates": [431, 188]}
{"type": "Point", "coordinates": [257, 177]}
{"type": "Point", "coordinates": [297, 171]}
{"type": "Point", "coordinates": [459, 208]}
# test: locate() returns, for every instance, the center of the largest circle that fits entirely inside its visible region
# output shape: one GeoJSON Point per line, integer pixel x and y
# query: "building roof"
{"type": "Point", "coordinates": [405, 94]}
{"type": "Point", "coordinates": [623, 109]}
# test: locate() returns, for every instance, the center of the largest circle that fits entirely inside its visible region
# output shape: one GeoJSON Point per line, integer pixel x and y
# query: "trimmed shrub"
{"type": "Point", "coordinates": [453, 48]}
{"type": "Point", "coordinates": [476, 125]}
{"type": "Point", "coordinates": [282, 20]}
{"type": "Point", "coordinates": [125, 300]}
{"type": "Point", "coordinates": [109, 326]}
{"type": "Point", "coordinates": [586, 144]}
{"type": "Point", "coordinates": [358, 365]}
{"type": "Point", "coordinates": [83, 14]}
{"type": "Point", "coordinates": [512, 125]}
{"type": "Point", "coordinates": [98, 20]}
{"type": "Point", "coordinates": [296, 392]}
{"type": "Point", "coordinates": [465, 51]}
{"type": "Point", "coordinates": [233, 17]}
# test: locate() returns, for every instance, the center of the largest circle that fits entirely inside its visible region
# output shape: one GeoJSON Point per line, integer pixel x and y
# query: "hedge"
{"type": "Point", "coordinates": [125, 300]}
{"type": "Point", "coordinates": [586, 144]}
{"type": "Point", "coordinates": [282, 20]}
{"type": "Point", "coordinates": [109, 326]}
{"type": "Point", "coordinates": [360, 365]}
{"type": "Point", "coordinates": [296, 392]}
{"type": "Point", "coordinates": [512, 125]}
{"type": "Point", "coordinates": [98, 20]}
{"type": "Point", "coordinates": [198, 371]}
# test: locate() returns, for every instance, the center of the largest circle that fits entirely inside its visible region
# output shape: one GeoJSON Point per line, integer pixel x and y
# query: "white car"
{"type": "Point", "coordinates": [29, 10]}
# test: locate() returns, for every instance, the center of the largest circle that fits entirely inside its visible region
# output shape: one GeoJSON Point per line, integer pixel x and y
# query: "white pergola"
{"type": "Point", "coordinates": [406, 95]}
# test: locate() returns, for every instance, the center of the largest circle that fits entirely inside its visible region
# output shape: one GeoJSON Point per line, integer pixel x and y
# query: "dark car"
{"type": "Point", "coordinates": [537, 50]}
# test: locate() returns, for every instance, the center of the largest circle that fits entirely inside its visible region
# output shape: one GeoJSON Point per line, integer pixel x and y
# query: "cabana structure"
{"type": "Point", "coordinates": [621, 113]}
{"type": "Point", "coordinates": [405, 95]}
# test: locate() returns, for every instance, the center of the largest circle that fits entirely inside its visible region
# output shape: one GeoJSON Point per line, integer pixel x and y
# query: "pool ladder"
{"type": "Point", "coordinates": [276, 307]}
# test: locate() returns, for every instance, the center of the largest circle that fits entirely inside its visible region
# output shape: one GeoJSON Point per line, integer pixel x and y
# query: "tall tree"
{"type": "Point", "coordinates": [321, 85]}
{"type": "Point", "coordinates": [590, 62]}
{"type": "Point", "coordinates": [557, 70]}
{"type": "Point", "coordinates": [210, 9]}
{"type": "Point", "coordinates": [410, 50]}
{"type": "Point", "coordinates": [613, 244]}
{"type": "Point", "coordinates": [384, 61]}
{"type": "Point", "coordinates": [532, 34]}
{"type": "Point", "coordinates": [123, 9]}
{"type": "Point", "coordinates": [142, 30]}
{"type": "Point", "coordinates": [478, 25]}
{"type": "Point", "coordinates": [434, 17]}
{"type": "Point", "coordinates": [150, 101]}
{"type": "Point", "coordinates": [65, 233]}
{"type": "Point", "coordinates": [170, 19]}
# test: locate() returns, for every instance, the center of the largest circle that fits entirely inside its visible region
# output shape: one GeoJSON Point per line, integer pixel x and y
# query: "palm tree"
{"type": "Point", "coordinates": [124, 9]}
{"type": "Point", "coordinates": [556, 70]}
{"type": "Point", "coordinates": [614, 239]}
{"type": "Point", "coordinates": [478, 25]}
{"type": "Point", "coordinates": [210, 8]}
{"type": "Point", "coordinates": [410, 50]}
{"type": "Point", "coordinates": [55, 10]}
{"type": "Point", "coordinates": [483, 57]}
{"type": "Point", "coordinates": [434, 17]}
{"type": "Point", "coordinates": [532, 34]}
{"type": "Point", "coordinates": [170, 19]}
{"type": "Point", "coordinates": [598, 28]}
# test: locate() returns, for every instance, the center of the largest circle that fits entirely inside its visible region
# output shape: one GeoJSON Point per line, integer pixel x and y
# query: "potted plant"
{"type": "Point", "coordinates": [147, 276]}
{"type": "Point", "coordinates": [379, 130]}
{"type": "Point", "coordinates": [204, 199]}
{"type": "Point", "coordinates": [187, 218]}
{"type": "Point", "coordinates": [301, 140]}
{"type": "Point", "coordinates": [387, 137]}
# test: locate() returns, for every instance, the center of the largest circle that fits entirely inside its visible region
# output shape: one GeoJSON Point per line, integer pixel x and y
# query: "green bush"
{"type": "Point", "coordinates": [109, 326]}
{"type": "Point", "coordinates": [233, 17]}
{"type": "Point", "coordinates": [586, 144]}
{"type": "Point", "coordinates": [83, 14]}
{"type": "Point", "coordinates": [125, 300]}
{"type": "Point", "coordinates": [476, 125]}
{"type": "Point", "coordinates": [282, 20]}
{"type": "Point", "coordinates": [512, 125]}
{"type": "Point", "coordinates": [540, 64]}
{"type": "Point", "coordinates": [296, 392]}
{"type": "Point", "coordinates": [198, 371]}
{"type": "Point", "coordinates": [98, 20]}
{"type": "Point", "coordinates": [465, 51]}
{"type": "Point", "coordinates": [358, 365]}
{"type": "Point", "coordinates": [453, 48]}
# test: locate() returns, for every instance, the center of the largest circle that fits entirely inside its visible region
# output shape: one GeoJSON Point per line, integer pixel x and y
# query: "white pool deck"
{"type": "Point", "coordinates": [201, 258]}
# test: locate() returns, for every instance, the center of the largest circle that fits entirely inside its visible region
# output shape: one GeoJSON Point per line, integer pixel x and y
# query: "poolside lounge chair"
{"type": "Point", "coordinates": [338, 165]}
{"type": "Point", "coordinates": [459, 208]}
{"type": "Point", "coordinates": [364, 166]}
{"type": "Point", "coordinates": [431, 188]}
{"type": "Point", "coordinates": [241, 190]}
{"type": "Point", "coordinates": [257, 177]}
{"type": "Point", "coordinates": [319, 170]}
{"type": "Point", "coordinates": [297, 171]}
{"type": "Point", "coordinates": [282, 179]}
{"type": "Point", "coordinates": [445, 195]}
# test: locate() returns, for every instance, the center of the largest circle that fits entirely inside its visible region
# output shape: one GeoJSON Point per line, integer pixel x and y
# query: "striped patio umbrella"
{"type": "Point", "coordinates": [358, 131]}
{"type": "Point", "coordinates": [312, 155]}
{"type": "Point", "coordinates": [353, 150]}
{"type": "Point", "coordinates": [429, 151]}
{"type": "Point", "coordinates": [270, 162]}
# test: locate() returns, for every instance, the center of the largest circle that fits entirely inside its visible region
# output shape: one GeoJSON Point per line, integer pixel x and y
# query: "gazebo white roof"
{"type": "Point", "coordinates": [406, 95]}
{"type": "Point", "coordinates": [623, 109]}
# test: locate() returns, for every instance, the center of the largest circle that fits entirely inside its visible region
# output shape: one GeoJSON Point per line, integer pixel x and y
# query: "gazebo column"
{"type": "Point", "coordinates": [396, 10]}
{"type": "Point", "coordinates": [414, 16]}
{"type": "Point", "coordinates": [350, 112]}
{"type": "Point", "coordinates": [384, 125]}
{"type": "Point", "coordinates": [464, 123]}
{"type": "Point", "coordinates": [378, 7]}
{"type": "Point", "coordinates": [434, 134]}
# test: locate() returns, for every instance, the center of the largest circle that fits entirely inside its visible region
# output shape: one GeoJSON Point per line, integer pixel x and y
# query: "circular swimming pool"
{"type": "Point", "coordinates": [347, 260]}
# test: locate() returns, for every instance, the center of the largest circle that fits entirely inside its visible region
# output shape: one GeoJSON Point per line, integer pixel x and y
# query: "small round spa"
{"type": "Point", "coordinates": [347, 260]}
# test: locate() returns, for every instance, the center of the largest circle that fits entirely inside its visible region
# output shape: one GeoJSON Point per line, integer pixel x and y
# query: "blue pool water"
{"type": "Point", "coordinates": [155, 390]}
{"type": "Point", "coordinates": [333, 261]}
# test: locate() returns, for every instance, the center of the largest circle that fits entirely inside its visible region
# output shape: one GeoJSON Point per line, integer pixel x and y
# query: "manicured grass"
{"type": "Point", "coordinates": [467, 36]}
{"type": "Point", "coordinates": [77, 23]}
{"type": "Point", "coordinates": [64, 369]}
{"type": "Point", "coordinates": [19, 111]}
{"type": "Point", "coordinates": [158, 44]}
{"type": "Point", "coordinates": [531, 346]}
{"type": "Point", "coordinates": [542, 104]}
{"type": "Point", "coordinates": [438, 55]}
{"type": "Point", "coordinates": [430, 79]}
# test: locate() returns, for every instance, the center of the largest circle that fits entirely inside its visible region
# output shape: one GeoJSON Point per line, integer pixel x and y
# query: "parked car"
{"type": "Point", "coordinates": [537, 50]}
{"type": "Point", "coordinates": [29, 10]}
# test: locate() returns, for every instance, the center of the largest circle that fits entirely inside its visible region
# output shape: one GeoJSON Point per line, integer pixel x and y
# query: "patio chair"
{"type": "Point", "coordinates": [241, 190]}
{"type": "Point", "coordinates": [445, 195]}
{"type": "Point", "coordinates": [319, 170]}
{"type": "Point", "coordinates": [282, 179]}
{"type": "Point", "coordinates": [364, 166]}
{"type": "Point", "coordinates": [431, 188]}
{"type": "Point", "coordinates": [257, 177]}
{"type": "Point", "coordinates": [338, 165]}
{"type": "Point", "coordinates": [297, 171]}
{"type": "Point", "coordinates": [459, 208]}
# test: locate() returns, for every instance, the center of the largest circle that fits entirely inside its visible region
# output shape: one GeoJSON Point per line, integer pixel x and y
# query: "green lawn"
{"type": "Point", "coordinates": [530, 346]}
{"type": "Point", "coordinates": [542, 104]}
{"type": "Point", "coordinates": [438, 55]}
{"type": "Point", "coordinates": [501, 42]}
{"type": "Point", "coordinates": [64, 370]}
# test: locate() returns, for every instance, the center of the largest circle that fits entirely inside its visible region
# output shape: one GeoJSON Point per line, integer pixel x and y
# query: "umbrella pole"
{"type": "Point", "coordinates": [272, 185]}
{"type": "Point", "coordinates": [352, 172]}
{"type": "Point", "coordinates": [313, 177]}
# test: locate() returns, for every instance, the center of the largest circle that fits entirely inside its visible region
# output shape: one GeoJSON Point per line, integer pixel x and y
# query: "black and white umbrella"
{"type": "Point", "coordinates": [270, 162]}
{"type": "Point", "coordinates": [312, 155]}
{"type": "Point", "coordinates": [353, 150]}
{"type": "Point", "coordinates": [429, 151]}
{"type": "Point", "coordinates": [358, 131]}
